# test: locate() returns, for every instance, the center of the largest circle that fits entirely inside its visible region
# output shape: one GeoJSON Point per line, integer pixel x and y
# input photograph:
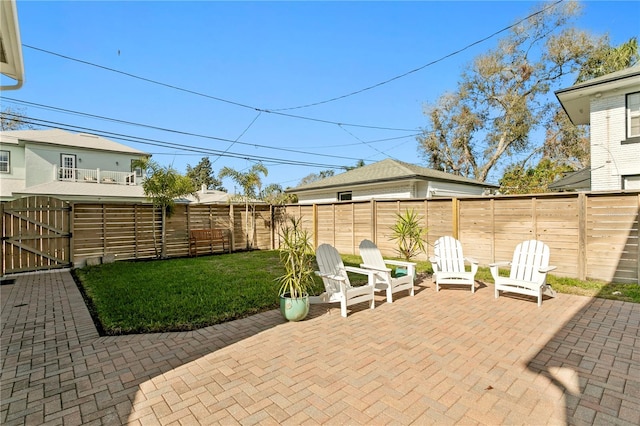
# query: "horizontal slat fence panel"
{"type": "Point", "coordinates": [591, 236]}
{"type": "Point", "coordinates": [134, 231]}
{"type": "Point", "coordinates": [476, 229]}
{"type": "Point", "coordinates": [612, 237]}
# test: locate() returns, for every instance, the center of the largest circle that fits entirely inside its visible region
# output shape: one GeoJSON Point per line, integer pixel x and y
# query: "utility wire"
{"type": "Point", "coordinates": [397, 77]}
{"type": "Point", "coordinates": [193, 92]}
{"type": "Point", "coordinates": [241, 134]}
{"type": "Point", "coordinates": [173, 145]}
{"type": "Point", "coordinates": [115, 120]}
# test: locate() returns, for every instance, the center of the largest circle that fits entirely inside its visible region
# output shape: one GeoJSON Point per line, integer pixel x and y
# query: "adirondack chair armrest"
{"type": "Point", "coordinates": [399, 263]}
{"type": "Point", "coordinates": [546, 269]}
{"type": "Point", "coordinates": [358, 270]}
{"type": "Point", "coordinates": [330, 276]}
{"type": "Point", "coordinates": [371, 280]}
{"type": "Point", "coordinates": [374, 268]}
{"type": "Point", "coordinates": [474, 264]}
{"type": "Point", "coordinates": [493, 267]}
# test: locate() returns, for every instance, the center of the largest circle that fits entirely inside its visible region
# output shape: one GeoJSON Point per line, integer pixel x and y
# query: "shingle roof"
{"type": "Point", "coordinates": [574, 181]}
{"type": "Point", "coordinates": [64, 138]}
{"type": "Point", "coordinates": [385, 171]}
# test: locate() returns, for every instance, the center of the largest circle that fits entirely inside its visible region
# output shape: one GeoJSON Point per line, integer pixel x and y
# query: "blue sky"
{"type": "Point", "coordinates": [244, 59]}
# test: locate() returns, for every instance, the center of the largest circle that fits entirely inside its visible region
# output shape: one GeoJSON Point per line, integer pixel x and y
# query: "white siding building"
{"type": "Point", "coordinates": [611, 106]}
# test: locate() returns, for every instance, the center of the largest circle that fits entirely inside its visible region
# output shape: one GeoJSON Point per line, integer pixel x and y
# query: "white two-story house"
{"type": "Point", "coordinates": [69, 166]}
{"type": "Point", "coordinates": [611, 106]}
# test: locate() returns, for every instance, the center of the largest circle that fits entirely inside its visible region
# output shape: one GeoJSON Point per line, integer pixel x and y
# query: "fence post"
{"type": "Point", "coordinates": [455, 217]}
{"type": "Point", "coordinates": [582, 236]}
{"type": "Point", "coordinates": [374, 220]}
{"type": "Point", "coordinates": [232, 225]}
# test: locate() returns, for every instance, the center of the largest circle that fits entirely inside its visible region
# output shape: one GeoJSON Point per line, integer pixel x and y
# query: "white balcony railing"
{"type": "Point", "coordinates": [95, 176]}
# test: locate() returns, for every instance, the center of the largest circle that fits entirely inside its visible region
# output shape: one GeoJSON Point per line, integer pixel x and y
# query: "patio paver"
{"type": "Point", "coordinates": [437, 358]}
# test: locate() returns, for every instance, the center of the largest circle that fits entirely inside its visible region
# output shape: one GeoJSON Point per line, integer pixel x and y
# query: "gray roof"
{"type": "Point", "coordinates": [64, 138]}
{"type": "Point", "coordinates": [574, 181]}
{"type": "Point", "coordinates": [388, 170]}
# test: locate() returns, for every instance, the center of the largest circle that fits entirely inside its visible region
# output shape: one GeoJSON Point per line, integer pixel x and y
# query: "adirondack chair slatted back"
{"type": "Point", "coordinates": [448, 252]}
{"type": "Point", "coordinates": [528, 257]}
{"type": "Point", "coordinates": [371, 256]}
{"type": "Point", "coordinates": [330, 262]}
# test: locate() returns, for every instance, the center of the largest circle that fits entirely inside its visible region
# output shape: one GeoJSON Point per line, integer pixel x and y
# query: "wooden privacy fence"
{"type": "Point", "coordinates": [590, 235]}
{"type": "Point", "coordinates": [133, 231]}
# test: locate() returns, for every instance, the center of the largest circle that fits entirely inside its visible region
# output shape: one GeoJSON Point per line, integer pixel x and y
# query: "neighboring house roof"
{"type": "Point", "coordinates": [11, 62]}
{"type": "Point", "coordinates": [574, 181]}
{"type": "Point", "coordinates": [576, 99]}
{"type": "Point", "coordinates": [388, 170]}
{"type": "Point", "coordinates": [211, 197]}
{"type": "Point", "coordinates": [77, 191]}
{"type": "Point", "coordinates": [64, 138]}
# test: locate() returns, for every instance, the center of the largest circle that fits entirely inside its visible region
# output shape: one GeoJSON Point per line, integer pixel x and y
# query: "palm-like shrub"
{"type": "Point", "coordinates": [408, 234]}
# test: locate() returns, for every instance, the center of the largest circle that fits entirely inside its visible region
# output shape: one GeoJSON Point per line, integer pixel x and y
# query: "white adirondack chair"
{"type": "Point", "coordinates": [528, 274]}
{"type": "Point", "coordinates": [448, 263]}
{"type": "Point", "coordinates": [336, 281]}
{"type": "Point", "coordinates": [372, 259]}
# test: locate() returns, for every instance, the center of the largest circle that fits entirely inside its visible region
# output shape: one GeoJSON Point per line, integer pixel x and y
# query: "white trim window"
{"type": "Point", "coordinates": [5, 162]}
{"type": "Point", "coordinates": [344, 196]}
{"type": "Point", "coordinates": [633, 115]}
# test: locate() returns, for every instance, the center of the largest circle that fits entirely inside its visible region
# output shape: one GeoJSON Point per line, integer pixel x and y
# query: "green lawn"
{"type": "Point", "coordinates": [191, 293]}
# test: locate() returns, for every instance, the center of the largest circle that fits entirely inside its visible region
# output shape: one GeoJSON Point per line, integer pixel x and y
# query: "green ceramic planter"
{"type": "Point", "coordinates": [294, 309]}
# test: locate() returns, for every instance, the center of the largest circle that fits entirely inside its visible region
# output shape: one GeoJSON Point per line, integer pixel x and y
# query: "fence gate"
{"type": "Point", "coordinates": [35, 234]}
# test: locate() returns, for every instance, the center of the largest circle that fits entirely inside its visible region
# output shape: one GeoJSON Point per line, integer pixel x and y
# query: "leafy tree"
{"type": "Point", "coordinates": [251, 184]}
{"type": "Point", "coordinates": [202, 174]}
{"type": "Point", "coordinates": [13, 119]}
{"type": "Point", "coordinates": [501, 97]}
{"type": "Point", "coordinates": [607, 59]}
{"type": "Point", "coordinates": [275, 195]}
{"type": "Point", "coordinates": [162, 185]}
{"type": "Point", "coordinates": [359, 163]}
{"type": "Point", "coordinates": [314, 177]}
{"type": "Point", "coordinates": [518, 179]}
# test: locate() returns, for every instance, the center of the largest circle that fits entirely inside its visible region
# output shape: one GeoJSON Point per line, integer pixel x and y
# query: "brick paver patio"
{"type": "Point", "coordinates": [437, 358]}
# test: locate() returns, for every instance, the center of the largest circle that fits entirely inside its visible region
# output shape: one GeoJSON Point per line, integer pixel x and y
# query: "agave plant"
{"type": "Point", "coordinates": [408, 234]}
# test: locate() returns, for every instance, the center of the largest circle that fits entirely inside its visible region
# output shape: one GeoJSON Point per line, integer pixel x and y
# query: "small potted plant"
{"type": "Point", "coordinates": [296, 255]}
{"type": "Point", "coordinates": [409, 236]}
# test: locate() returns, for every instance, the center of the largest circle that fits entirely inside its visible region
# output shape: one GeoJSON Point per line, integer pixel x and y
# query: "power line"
{"type": "Point", "coordinates": [193, 92]}
{"type": "Point", "coordinates": [166, 144]}
{"type": "Point", "coordinates": [179, 132]}
{"type": "Point", "coordinates": [397, 77]}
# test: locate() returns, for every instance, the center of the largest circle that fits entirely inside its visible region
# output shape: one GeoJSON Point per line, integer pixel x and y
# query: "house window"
{"type": "Point", "coordinates": [5, 162]}
{"type": "Point", "coordinates": [633, 115]}
{"type": "Point", "coordinates": [631, 182]}
{"type": "Point", "coordinates": [344, 196]}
